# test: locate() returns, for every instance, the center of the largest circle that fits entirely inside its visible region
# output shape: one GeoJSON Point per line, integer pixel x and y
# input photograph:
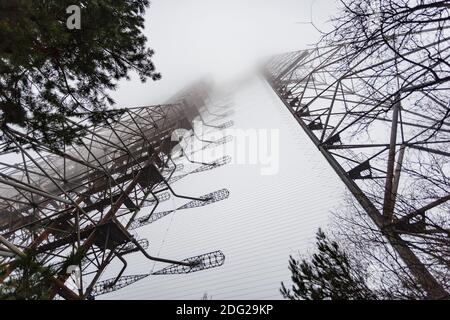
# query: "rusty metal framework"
{"type": "Point", "coordinates": [77, 206]}
{"type": "Point", "coordinates": [388, 143]}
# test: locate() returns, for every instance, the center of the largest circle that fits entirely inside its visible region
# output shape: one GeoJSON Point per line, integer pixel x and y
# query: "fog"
{"type": "Point", "coordinates": [223, 39]}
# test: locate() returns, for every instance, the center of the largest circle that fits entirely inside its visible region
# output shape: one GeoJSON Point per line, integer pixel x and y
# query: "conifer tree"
{"type": "Point", "coordinates": [29, 281]}
{"type": "Point", "coordinates": [49, 71]}
{"type": "Point", "coordinates": [327, 275]}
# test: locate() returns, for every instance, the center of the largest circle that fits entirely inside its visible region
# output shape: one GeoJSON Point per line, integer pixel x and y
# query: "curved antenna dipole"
{"type": "Point", "coordinates": [197, 263]}
{"type": "Point", "coordinates": [149, 219]}
{"type": "Point", "coordinates": [152, 217]}
{"type": "Point", "coordinates": [108, 285]}
{"type": "Point", "coordinates": [225, 125]}
{"type": "Point", "coordinates": [207, 199]}
{"type": "Point", "coordinates": [206, 167]}
{"type": "Point", "coordinates": [217, 163]}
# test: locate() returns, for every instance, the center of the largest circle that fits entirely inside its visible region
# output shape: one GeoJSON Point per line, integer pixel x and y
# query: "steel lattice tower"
{"type": "Point", "coordinates": [78, 207]}
{"type": "Point", "coordinates": [389, 145]}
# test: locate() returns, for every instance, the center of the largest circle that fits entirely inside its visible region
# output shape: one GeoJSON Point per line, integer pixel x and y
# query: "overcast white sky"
{"type": "Point", "coordinates": [223, 38]}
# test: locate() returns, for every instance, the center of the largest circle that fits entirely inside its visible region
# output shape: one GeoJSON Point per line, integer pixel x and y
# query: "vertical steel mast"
{"type": "Point", "coordinates": [389, 145]}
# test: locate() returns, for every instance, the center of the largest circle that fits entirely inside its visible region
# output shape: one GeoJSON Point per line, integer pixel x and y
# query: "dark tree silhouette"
{"type": "Point", "coordinates": [363, 242]}
{"type": "Point", "coordinates": [328, 275]}
{"type": "Point", "coordinates": [49, 72]}
{"type": "Point", "coordinates": [400, 48]}
{"type": "Point", "coordinates": [413, 33]}
{"type": "Point", "coordinates": [30, 281]}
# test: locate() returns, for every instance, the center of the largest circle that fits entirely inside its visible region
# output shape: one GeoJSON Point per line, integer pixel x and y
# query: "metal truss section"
{"type": "Point", "coordinates": [389, 143]}
{"type": "Point", "coordinates": [209, 199]}
{"type": "Point", "coordinates": [206, 167]}
{"type": "Point", "coordinates": [222, 126]}
{"type": "Point", "coordinates": [147, 219]}
{"type": "Point", "coordinates": [125, 249]}
{"type": "Point", "coordinates": [217, 163]}
{"type": "Point", "coordinates": [201, 262]}
{"type": "Point", "coordinates": [75, 205]}
{"type": "Point", "coordinates": [158, 198]}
